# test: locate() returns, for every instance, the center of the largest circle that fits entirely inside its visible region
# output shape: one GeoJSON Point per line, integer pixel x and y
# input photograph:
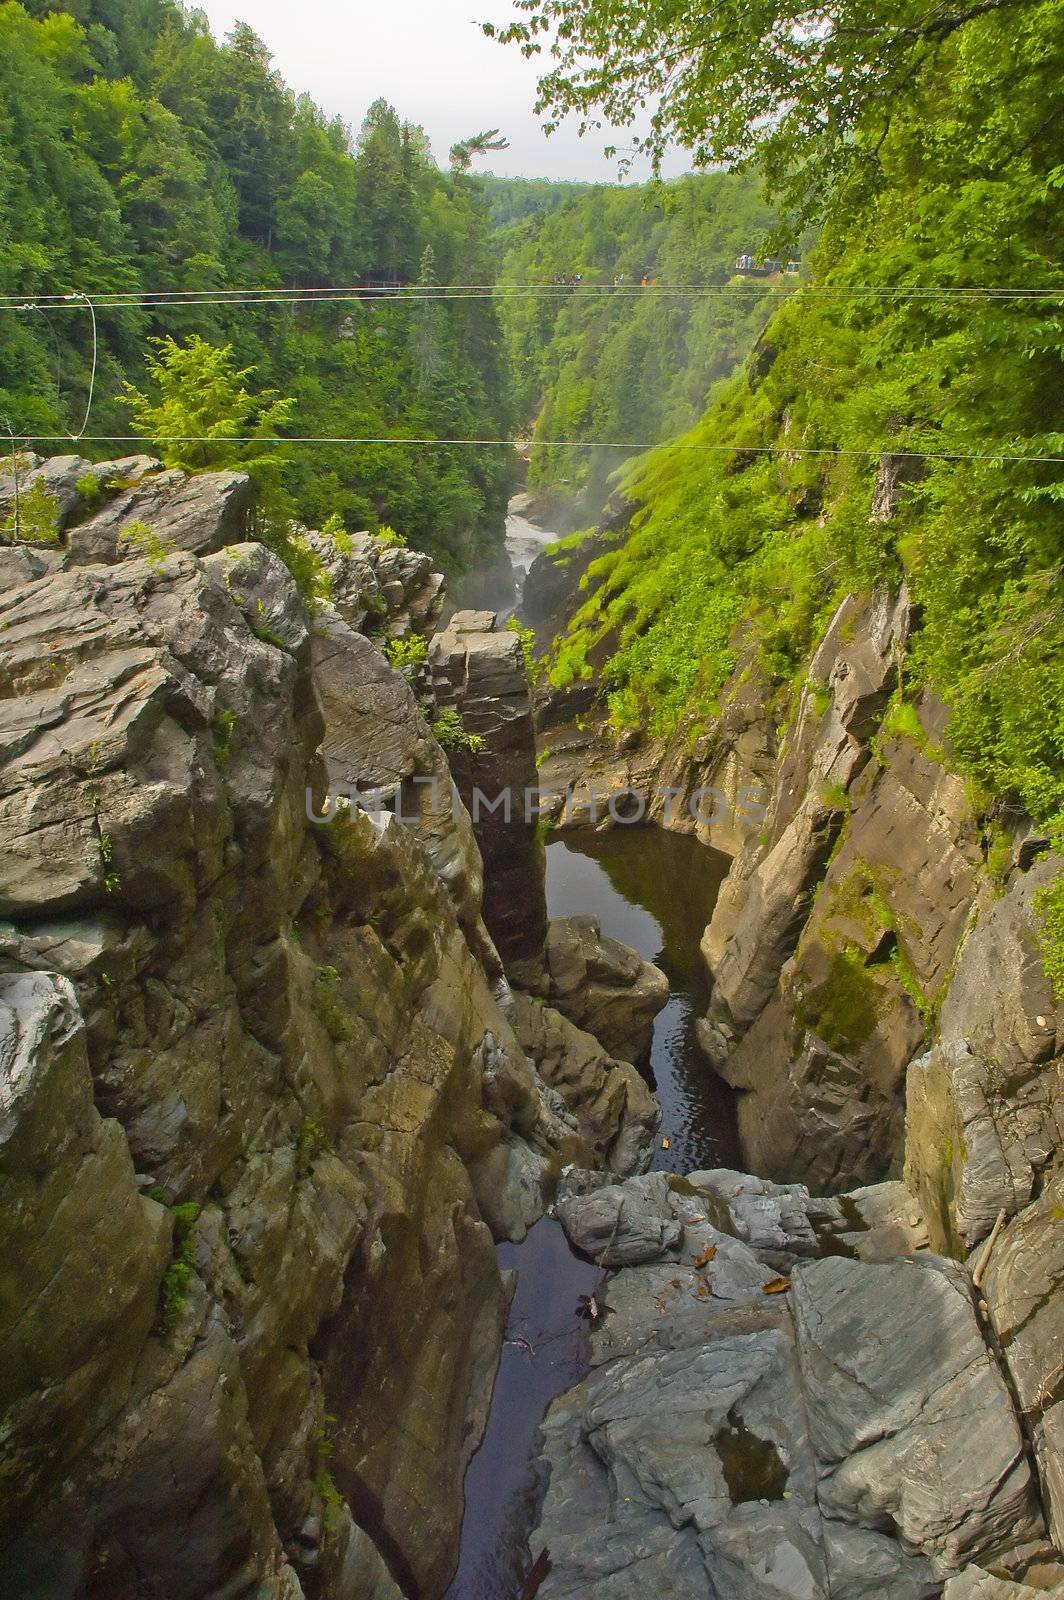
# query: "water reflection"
{"type": "Point", "coordinates": [656, 891]}
{"type": "Point", "coordinates": [545, 1354]}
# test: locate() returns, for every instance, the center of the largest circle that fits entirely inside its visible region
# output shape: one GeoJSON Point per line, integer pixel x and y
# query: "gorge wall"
{"type": "Point", "coordinates": [264, 1106]}
{"type": "Point", "coordinates": [880, 1000]}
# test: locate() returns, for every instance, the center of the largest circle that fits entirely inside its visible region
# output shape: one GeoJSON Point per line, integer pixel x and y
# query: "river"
{"type": "Point", "coordinates": [654, 891]}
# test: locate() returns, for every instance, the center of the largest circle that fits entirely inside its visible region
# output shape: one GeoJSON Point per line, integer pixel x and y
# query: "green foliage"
{"type": "Point", "coordinates": [333, 528]}
{"type": "Point", "coordinates": [448, 728]}
{"type": "Point", "coordinates": [1049, 906]}
{"type": "Point", "coordinates": [106, 851]}
{"type": "Point", "coordinates": [89, 490]}
{"type": "Point", "coordinates": [278, 533]}
{"type": "Point", "coordinates": [37, 518]}
{"type": "Point", "coordinates": [224, 727]}
{"type": "Point", "coordinates": [626, 366]}
{"type": "Point", "coordinates": [527, 637]}
{"type": "Point", "coordinates": [178, 1274]}
{"type": "Point", "coordinates": [743, 537]}
{"type": "Point", "coordinates": [332, 1501]}
{"type": "Point", "coordinates": [903, 721]}
{"type": "Point", "coordinates": [330, 1007]}
{"type": "Point", "coordinates": [732, 81]}
{"type": "Point", "coordinates": [407, 653]}
{"type": "Point", "coordinates": [388, 536]}
{"type": "Point", "coordinates": [843, 1008]}
{"type": "Point", "coordinates": [312, 1139]}
{"type": "Point", "coordinates": [137, 154]}
{"type": "Point", "coordinates": [204, 416]}
{"type": "Point", "coordinates": [152, 546]}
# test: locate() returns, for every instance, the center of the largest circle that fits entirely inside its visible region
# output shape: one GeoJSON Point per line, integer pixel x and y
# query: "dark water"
{"type": "Point", "coordinates": [502, 1491]}
{"type": "Point", "coordinates": [654, 891]}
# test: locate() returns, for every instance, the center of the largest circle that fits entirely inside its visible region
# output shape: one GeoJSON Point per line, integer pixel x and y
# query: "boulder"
{"type": "Point", "coordinates": [198, 514]}
{"type": "Point", "coordinates": [909, 1416]}
{"type": "Point", "coordinates": [620, 1225]}
{"type": "Point", "coordinates": [603, 987]}
{"type": "Point", "coordinates": [614, 1109]}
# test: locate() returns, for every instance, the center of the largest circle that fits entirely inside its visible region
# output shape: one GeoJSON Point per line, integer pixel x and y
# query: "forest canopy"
{"type": "Point", "coordinates": [140, 157]}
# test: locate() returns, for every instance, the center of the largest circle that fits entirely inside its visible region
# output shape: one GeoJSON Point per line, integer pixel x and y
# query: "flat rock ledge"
{"type": "Point", "coordinates": [771, 1415]}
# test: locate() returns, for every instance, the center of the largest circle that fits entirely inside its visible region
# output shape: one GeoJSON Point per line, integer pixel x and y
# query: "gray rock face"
{"type": "Point", "coordinates": [825, 1061]}
{"type": "Point", "coordinates": [1024, 1289]}
{"type": "Point", "coordinates": [620, 1225]}
{"type": "Point", "coordinates": [909, 1416]}
{"type": "Point", "coordinates": [767, 896]}
{"type": "Point", "coordinates": [83, 1250]}
{"type": "Point", "coordinates": [198, 514]}
{"type": "Point", "coordinates": [985, 1106]}
{"type": "Point", "coordinates": [603, 986]}
{"type": "Point", "coordinates": [479, 673]}
{"type": "Point", "coordinates": [289, 1036]}
{"type": "Point", "coordinates": [734, 1440]}
{"type": "Point", "coordinates": [373, 584]}
{"type": "Point", "coordinates": [378, 745]}
{"type": "Point", "coordinates": [613, 1107]}
{"type": "Point", "coordinates": [60, 476]}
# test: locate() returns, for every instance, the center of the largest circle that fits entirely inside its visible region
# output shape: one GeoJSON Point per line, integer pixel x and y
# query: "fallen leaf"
{"type": "Point", "coordinates": [703, 1291]}
{"type": "Point", "coordinates": [591, 1308]}
{"type": "Point", "coordinates": [664, 1144]}
{"type": "Point", "coordinates": [777, 1286]}
{"type": "Point", "coordinates": [705, 1258]}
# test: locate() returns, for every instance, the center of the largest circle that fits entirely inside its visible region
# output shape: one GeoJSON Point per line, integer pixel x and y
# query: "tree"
{"type": "Point", "coordinates": [784, 80]}
{"type": "Point", "coordinates": [478, 144]}
{"type": "Point", "coordinates": [205, 415]}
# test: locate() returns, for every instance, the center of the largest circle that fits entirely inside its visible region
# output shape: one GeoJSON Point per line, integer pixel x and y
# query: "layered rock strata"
{"type": "Point", "coordinates": [263, 1110]}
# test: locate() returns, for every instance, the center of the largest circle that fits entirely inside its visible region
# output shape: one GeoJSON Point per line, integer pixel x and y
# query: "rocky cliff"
{"type": "Point", "coordinates": [264, 1109]}
{"type": "Point", "coordinates": [880, 1001]}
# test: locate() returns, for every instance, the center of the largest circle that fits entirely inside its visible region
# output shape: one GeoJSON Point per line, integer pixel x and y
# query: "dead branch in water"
{"type": "Point", "coordinates": [540, 1568]}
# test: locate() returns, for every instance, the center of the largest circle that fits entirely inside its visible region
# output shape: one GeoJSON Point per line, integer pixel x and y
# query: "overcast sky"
{"type": "Point", "coordinates": [431, 60]}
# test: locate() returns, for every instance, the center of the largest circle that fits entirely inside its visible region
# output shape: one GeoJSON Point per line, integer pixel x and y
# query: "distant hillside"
{"type": "Point", "coordinates": [622, 365]}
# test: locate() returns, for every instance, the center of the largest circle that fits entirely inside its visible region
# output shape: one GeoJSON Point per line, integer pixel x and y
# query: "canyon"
{"type": "Point", "coordinates": [296, 1058]}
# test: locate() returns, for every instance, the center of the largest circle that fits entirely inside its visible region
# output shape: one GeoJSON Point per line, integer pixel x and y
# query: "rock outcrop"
{"type": "Point", "coordinates": [985, 1106]}
{"type": "Point", "coordinates": [843, 1431]}
{"type": "Point", "coordinates": [375, 583]}
{"type": "Point", "coordinates": [479, 678]}
{"type": "Point", "coordinates": [603, 986]}
{"type": "Point", "coordinates": [262, 1107]}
